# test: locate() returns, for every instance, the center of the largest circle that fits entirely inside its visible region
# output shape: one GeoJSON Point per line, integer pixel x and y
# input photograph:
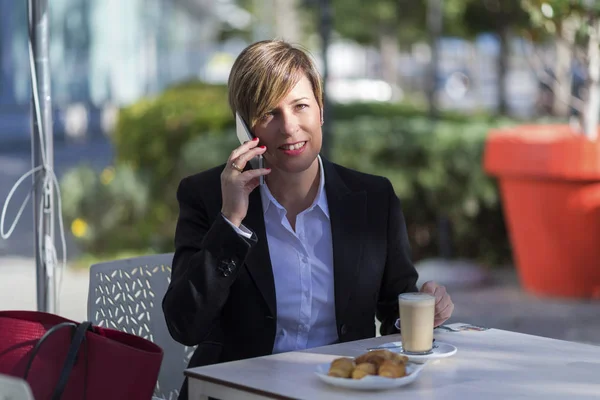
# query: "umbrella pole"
{"type": "Point", "coordinates": [325, 29]}
{"type": "Point", "coordinates": [42, 155]}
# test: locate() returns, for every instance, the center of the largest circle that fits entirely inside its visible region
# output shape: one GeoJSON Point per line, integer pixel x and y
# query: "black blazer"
{"type": "Point", "coordinates": [222, 291]}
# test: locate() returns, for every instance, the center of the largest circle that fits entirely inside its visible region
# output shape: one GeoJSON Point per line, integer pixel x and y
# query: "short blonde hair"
{"type": "Point", "coordinates": [264, 73]}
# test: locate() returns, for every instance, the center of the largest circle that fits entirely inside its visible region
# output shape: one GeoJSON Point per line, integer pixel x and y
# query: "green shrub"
{"type": "Point", "coordinates": [106, 211]}
{"type": "Point", "coordinates": [350, 111]}
{"type": "Point", "coordinates": [183, 130]}
{"type": "Point", "coordinates": [435, 169]}
{"type": "Point", "coordinates": [150, 135]}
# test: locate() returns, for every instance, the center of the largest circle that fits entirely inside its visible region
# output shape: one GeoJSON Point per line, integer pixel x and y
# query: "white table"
{"type": "Point", "coordinates": [492, 364]}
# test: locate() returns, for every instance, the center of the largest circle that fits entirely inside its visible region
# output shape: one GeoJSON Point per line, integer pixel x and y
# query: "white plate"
{"type": "Point", "coordinates": [440, 350]}
{"type": "Point", "coordinates": [370, 382]}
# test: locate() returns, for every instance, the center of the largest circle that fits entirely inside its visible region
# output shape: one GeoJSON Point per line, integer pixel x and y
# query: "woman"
{"type": "Point", "coordinates": [304, 260]}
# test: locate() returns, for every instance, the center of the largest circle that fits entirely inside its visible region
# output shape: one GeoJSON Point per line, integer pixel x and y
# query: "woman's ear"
{"type": "Point", "coordinates": [322, 119]}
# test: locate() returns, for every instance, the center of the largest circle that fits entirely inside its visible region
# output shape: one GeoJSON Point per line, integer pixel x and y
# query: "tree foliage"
{"type": "Point", "coordinates": [582, 16]}
{"type": "Point", "coordinates": [493, 16]}
{"type": "Point", "coordinates": [549, 15]}
{"type": "Point", "coordinates": [363, 21]}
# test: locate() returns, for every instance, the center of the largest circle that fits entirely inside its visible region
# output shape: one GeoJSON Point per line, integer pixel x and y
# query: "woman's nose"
{"type": "Point", "coordinates": [289, 124]}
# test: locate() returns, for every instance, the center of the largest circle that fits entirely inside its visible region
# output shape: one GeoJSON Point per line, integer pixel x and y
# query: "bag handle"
{"type": "Point", "coordinates": [39, 343]}
{"type": "Point", "coordinates": [78, 338]}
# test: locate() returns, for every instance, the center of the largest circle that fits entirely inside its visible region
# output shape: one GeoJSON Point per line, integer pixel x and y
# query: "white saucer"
{"type": "Point", "coordinates": [440, 350]}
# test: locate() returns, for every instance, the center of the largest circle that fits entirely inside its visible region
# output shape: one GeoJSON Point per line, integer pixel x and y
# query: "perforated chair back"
{"type": "Point", "coordinates": [127, 295]}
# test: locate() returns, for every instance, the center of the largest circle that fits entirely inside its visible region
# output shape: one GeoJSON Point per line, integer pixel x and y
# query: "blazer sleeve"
{"type": "Point", "coordinates": [400, 275]}
{"type": "Point", "coordinates": [208, 257]}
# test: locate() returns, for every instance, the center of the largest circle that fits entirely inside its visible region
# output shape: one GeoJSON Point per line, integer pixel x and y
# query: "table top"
{"type": "Point", "coordinates": [491, 364]}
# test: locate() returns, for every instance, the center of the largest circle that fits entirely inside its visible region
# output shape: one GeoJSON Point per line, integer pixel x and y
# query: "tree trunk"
{"type": "Point", "coordinates": [325, 30]}
{"type": "Point", "coordinates": [263, 21]}
{"type": "Point", "coordinates": [287, 21]}
{"type": "Point", "coordinates": [435, 20]}
{"type": "Point", "coordinates": [503, 66]}
{"type": "Point", "coordinates": [388, 48]}
{"type": "Point", "coordinates": [592, 104]}
{"type": "Point", "coordinates": [563, 76]}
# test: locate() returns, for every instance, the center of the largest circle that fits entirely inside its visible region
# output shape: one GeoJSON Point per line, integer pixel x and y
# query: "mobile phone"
{"type": "Point", "coordinates": [244, 134]}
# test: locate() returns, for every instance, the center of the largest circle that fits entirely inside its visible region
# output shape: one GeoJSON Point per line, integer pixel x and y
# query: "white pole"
{"type": "Point", "coordinates": [42, 154]}
{"type": "Point", "coordinates": [592, 109]}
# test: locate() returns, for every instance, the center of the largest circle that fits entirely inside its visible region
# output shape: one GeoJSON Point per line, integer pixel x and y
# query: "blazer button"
{"type": "Point", "coordinates": [343, 329]}
{"type": "Point", "coordinates": [227, 267]}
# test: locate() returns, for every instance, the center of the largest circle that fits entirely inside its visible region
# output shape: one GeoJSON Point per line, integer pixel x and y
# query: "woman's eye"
{"type": "Point", "coordinates": [302, 106]}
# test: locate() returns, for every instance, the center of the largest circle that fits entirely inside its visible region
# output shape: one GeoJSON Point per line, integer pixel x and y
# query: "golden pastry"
{"type": "Point", "coordinates": [399, 358]}
{"type": "Point", "coordinates": [392, 369]}
{"type": "Point", "coordinates": [341, 368]}
{"type": "Point", "coordinates": [363, 370]}
{"type": "Point", "coordinates": [377, 362]}
{"type": "Point", "coordinates": [371, 357]}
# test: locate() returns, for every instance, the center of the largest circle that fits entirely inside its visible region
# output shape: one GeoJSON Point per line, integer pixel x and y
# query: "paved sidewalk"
{"type": "Point", "coordinates": [490, 299]}
{"type": "Point", "coordinates": [18, 288]}
{"type": "Point", "coordinates": [496, 300]}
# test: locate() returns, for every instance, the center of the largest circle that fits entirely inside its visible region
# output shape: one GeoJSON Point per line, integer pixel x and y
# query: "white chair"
{"type": "Point", "coordinates": [12, 388]}
{"type": "Point", "coordinates": [127, 295]}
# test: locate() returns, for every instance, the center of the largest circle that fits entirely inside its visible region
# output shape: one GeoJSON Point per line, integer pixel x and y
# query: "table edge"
{"type": "Point", "coordinates": [191, 374]}
{"type": "Point", "coordinates": [271, 395]}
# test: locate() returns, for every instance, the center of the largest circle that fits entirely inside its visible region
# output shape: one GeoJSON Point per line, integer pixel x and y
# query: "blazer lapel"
{"type": "Point", "coordinates": [258, 260]}
{"type": "Point", "coordinates": [347, 211]}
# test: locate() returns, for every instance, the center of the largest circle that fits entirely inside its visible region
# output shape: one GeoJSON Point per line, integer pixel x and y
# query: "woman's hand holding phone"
{"type": "Point", "coordinates": [237, 184]}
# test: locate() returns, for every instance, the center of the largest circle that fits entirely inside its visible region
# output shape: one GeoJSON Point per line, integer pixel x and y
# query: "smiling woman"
{"type": "Point", "coordinates": [277, 90]}
{"type": "Point", "coordinates": [305, 259]}
{"type": "Point", "coordinates": [264, 73]}
{"type": "Point", "coordinates": [291, 131]}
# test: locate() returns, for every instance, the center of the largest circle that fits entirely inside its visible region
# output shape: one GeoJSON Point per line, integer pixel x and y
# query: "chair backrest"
{"type": "Point", "coordinates": [12, 388]}
{"type": "Point", "coordinates": [127, 295]}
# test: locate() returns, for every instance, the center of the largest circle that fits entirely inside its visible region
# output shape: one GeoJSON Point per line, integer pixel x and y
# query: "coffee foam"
{"type": "Point", "coordinates": [416, 297]}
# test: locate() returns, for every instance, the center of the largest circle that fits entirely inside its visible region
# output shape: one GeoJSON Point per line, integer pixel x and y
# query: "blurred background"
{"type": "Point", "coordinates": [413, 89]}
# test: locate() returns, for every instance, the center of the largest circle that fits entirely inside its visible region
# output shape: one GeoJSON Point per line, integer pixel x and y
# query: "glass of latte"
{"type": "Point", "coordinates": [417, 311]}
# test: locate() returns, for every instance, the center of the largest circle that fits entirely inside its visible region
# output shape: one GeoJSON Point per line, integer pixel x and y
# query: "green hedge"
{"type": "Point", "coordinates": [151, 133]}
{"type": "Point", "coordinates": [167, 137]}
{"type": "Point", "coordinates": [107, 211]}
{"type": "Point", "coordinates": [435, 169]}
{"type": "Point", "coordinates": [394, 110]}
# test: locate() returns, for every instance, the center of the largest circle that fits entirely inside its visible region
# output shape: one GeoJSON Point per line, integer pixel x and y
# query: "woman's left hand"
{"type": "Point", "coordinates": [443, 303]}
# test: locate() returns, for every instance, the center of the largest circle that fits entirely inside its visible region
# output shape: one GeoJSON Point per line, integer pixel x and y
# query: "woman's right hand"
{"type": "Point", "coordinates": [236, 185]}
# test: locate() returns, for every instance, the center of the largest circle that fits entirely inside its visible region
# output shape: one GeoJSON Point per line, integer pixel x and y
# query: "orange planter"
{"type": "Point", "coordinates": [549, 180]}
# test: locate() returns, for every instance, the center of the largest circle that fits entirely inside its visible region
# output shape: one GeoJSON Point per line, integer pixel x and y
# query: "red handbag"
{"type": "Point", "coordinates": [63, 359]}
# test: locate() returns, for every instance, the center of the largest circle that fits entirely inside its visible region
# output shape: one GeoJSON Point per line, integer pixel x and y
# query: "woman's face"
{"type": "Point", "coordinates": [292, 130]}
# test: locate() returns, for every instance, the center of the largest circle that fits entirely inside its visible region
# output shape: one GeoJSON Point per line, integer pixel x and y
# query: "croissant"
{"type": "Point", "coordinates": [363, 370]}
{"type": "Point", "coordinates": [378, 362]}
{"type": "Point", "coordinates": [372, 358]}
{"type": "Point", "coordinates": [382, 354]}
{"type": "Point", "coordinates": [392, 369]}
{"type": "Point", "coordinates": [341, 368]}
{"type": "Point", "coordinates": [399, 358]}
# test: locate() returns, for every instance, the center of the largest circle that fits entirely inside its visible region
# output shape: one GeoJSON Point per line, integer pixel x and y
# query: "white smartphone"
{"type": "Point", "coordinates": [244, 134]}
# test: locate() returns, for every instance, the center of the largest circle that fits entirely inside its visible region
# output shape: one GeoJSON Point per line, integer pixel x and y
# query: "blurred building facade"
{"type": "Point", "coordinates": [104, 53]}
{"type": "Point", "coordinates": [109, 53]}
